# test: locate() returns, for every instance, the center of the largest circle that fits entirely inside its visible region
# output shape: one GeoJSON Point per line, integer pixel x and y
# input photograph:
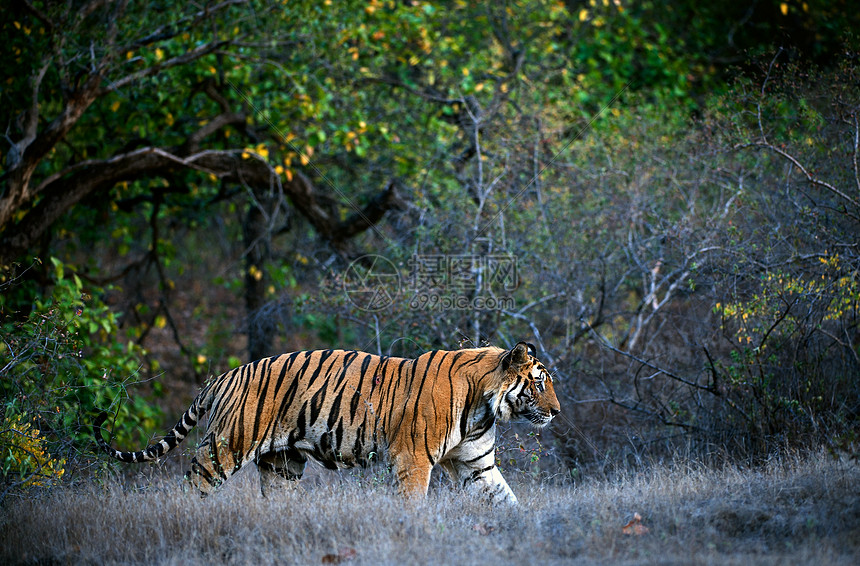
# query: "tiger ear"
{"type": "Point", "coordinates": [516, 356]}
{"type": "Point", "coordinates": [520, 354]}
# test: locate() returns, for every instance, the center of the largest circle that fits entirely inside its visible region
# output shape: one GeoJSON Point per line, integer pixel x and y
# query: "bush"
{"type": "Point", "coordinates": [25, 460]}
{"type": "Point", "coordinates": [61, 361]}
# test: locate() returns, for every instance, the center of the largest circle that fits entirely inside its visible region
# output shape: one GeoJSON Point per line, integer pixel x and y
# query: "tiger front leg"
{"type": "Point", "coordinates": [481, 477]}
{"type": "Point", "coordinates": [413, 475]}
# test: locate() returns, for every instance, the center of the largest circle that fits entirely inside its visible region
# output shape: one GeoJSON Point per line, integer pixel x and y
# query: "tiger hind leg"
{"type": "Point", "coordinates": [211, 465]}
{"type": "Point", "coordinates": [280, 470]}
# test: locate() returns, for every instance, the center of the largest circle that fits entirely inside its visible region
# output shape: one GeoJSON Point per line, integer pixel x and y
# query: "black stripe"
{"type": "Point", "coordinates": [262, 399]}
{"type": "Point", "coordinates": [415, 401]}
{"type": "Point", "coordinates": [324, 355]}
{"type": "Point", "coordinates": [356, 396]}
{"type": "Point", "coordinates": [274, 399]}
{"type": "Point", "coordinates": [476, 458]}
{"type": "Point", "coordinates": [338, 436]}
{"type": "Point", "coordinates": [299, 432]}
{"type": "Point", "coordinates": [476, 475]}
{"type": "Point", "coordinates": [427, 449]}
{"type": "Point", "coordinates": [317, 401]}
{"type": "Point", "coordinates": [333, 411]}
{"type": "Point", "coordinates": [292, 390]}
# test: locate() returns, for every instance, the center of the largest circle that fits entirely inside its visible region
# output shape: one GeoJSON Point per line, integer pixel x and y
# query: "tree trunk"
{"type": "Point", "coordinates": [257, 252]}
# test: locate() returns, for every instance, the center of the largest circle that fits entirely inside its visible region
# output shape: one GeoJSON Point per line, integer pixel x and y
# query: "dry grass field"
{"type": "Point", "coordinates": [796, 510]}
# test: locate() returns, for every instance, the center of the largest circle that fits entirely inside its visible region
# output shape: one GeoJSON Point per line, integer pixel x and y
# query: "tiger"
{"type": "Point", "coordinates": [344, 408]}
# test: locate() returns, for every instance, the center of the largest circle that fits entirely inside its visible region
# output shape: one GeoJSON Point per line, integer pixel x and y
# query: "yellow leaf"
{"type": "Point", "coordinates": [212, 70]}
{"type": "Point", "coordinates": [304, 159]}
{"type": "Point", "coordinates": [583, 15]}
{"type": "Point", "coordinates": [465, 72]}
{"type": "Point", "coordinates": [289, 175]}
{"type": "Point", "coordinates": [159, 54]}
{"type": "Point", "coordinates": [635, 526]}
{"type": "Point", "coordinates": [783, 8]}
{"type": "Point", "coordinates": [279, 169]}
{"type": "Point", "coordinates": [129, 54]}
{"type": "Point", "coordinates": [115, 106]}
{"type": "Point", "coordinates": [160, 321]}
{"type": "Point", "coordinates": [201, 359]}
{"type": "Point", "coordinates": [169, 119]}
{"type": "Point", "coordinates": [17, 25]}
{"type": "Point", "coordinates": [479, 87]}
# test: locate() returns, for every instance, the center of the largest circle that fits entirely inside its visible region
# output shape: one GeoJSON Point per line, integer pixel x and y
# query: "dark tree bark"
{"type": "Point", "coordinates": [257, 252]}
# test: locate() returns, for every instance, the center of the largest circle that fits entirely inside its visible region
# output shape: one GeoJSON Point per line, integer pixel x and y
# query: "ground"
{"type": "Point", "coordinates": [793, 510]}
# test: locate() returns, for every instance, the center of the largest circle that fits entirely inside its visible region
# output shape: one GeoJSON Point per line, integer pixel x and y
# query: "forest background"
{"type": "Point", "coordinates": [664, 197]}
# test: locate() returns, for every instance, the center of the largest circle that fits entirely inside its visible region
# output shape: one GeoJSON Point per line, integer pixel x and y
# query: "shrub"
{"type": "Point", "coordinates": [61, 361]}
{"type": "Point", "coordinates": [25, 460]}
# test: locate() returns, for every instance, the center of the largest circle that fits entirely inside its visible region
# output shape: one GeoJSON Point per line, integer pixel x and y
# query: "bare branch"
{"type": "Point", "coordinates": [183, 59]}
{"type": "Point", "coordinates": [646, 363]}
{"type": "Point", "coordinates": [806, 173]}
{"type": "Point", "coordinates": [856, 149]}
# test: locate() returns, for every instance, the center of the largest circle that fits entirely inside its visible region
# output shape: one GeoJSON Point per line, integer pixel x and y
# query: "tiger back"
{"type": "Point", "coordinates": [344, 408]}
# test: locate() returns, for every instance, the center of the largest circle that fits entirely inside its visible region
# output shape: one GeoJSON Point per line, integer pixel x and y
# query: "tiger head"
{"type": "Point", "coordinates": [526, 390]}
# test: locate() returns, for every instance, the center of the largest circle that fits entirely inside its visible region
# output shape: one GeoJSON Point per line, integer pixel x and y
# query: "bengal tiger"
{"type": "Point", "coordinates": [346, 408]}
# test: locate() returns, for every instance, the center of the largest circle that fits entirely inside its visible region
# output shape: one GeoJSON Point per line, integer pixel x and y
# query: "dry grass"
{"type": "Point", "coordinates": [796, 510]}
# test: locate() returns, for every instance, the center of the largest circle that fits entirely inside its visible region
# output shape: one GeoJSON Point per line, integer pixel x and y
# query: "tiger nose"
{"type": "Point", "coordinates": [553, 411]}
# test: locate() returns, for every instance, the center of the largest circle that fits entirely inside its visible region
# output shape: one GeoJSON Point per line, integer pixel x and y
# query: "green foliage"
{"type": "Point", "coordinates": [555, 133]}
{"type": "Point", "coordinates": [781, 373]}
{"type": "Point", "coordinates": [25, 459]}
{"type": "Point", "coordinates": [62, 362]}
